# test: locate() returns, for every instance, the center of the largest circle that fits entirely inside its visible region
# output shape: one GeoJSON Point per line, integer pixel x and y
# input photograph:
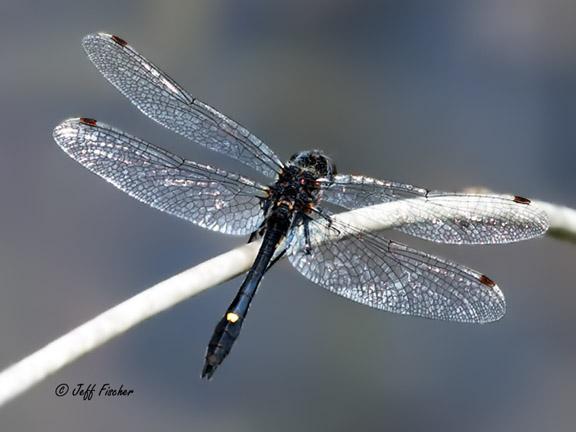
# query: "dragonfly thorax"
{"type": "Point", "coordinates": [297, 185]}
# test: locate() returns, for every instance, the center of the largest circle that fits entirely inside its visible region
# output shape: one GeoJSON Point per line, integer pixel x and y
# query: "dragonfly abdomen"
{"type": "Point", "coordinates": [228, 328]}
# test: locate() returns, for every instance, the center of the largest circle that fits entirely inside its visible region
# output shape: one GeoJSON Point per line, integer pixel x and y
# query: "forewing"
{"type": "Point", "coordinates": [387, 275]}
{"type": "Point", "coordinates": [163, 100]}
{"type": "Point", "coordinates": [210, 197]}
{"type": "Point", "coordinates": [444, 217]}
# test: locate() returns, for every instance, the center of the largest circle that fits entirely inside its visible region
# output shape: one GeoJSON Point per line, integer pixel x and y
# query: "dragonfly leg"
{"type": "Point", "coordinates": [320, 212]}
{"type": "Point", "coordinates": [265, 206]}
{"type": "Point", "coordinates": [257, 233]}
{"type": "Point", "coordinates": [307, 243]}
{"type": "Point", "coordinates": [275, 260]}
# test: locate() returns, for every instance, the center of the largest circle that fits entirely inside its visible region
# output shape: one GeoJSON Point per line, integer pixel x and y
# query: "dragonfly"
{"type": "Point", "coordinates": [295, 213]}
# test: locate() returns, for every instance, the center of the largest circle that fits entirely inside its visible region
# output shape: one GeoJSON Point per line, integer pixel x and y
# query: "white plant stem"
{"type": "Point", "coordinates": [31, 370]}
{"type": "Point", "coordinates": [561, 218]}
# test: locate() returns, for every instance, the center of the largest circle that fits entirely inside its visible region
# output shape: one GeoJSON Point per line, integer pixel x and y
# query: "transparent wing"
{"type": "Point", "coordinates": [209, 197]}
{"type": "Point", "coordinates": [444, 217]}
{"type": "Point", "coordinates": [387, 275]}
{"type": "Point", "coordinates": [163, 100]}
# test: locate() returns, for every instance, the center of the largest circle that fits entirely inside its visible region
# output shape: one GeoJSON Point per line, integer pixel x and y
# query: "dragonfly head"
{"type": "Point", "coordinates": [314, 163]}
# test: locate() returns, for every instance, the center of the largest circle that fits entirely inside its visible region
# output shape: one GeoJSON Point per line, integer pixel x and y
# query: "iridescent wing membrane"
{"type": "Point", "coordinates": [383, 274]}
{"type": "Point", "coordinates": [163, 100]}
{"type": "Point", "coordinates": [210, 197]}
{"type": "Point", "coordinates": [444, 217]}
{"type": "Point", "coordinates": [364, 267]}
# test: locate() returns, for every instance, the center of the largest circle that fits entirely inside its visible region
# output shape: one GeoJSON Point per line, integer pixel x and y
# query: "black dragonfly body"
{"type": "Point", "coordinates": [287, 213]}
{"type": "Point", "coordinates": [291, 199]}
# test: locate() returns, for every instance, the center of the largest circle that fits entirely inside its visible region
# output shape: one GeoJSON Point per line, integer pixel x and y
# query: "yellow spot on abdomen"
{"type": "Point", "coordinates": [232, 317]}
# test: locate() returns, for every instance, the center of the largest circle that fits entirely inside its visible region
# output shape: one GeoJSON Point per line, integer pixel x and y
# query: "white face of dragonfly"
{"type": "Point", "coordinates": [314, 163]}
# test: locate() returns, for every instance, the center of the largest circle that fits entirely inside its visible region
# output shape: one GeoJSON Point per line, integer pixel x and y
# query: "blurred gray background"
{"type": "Point", "coordinates": [445, 94]}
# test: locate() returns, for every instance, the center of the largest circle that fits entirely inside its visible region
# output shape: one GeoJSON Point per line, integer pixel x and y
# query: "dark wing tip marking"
{"type": "Point", "coordinates": [487, 281]}
{"type": "Point", "coordinates": [119, 40]}
{"type": "Point", "coordinates": [87, 121]}
{"type": "Point", "coordinates": [521, 200]}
